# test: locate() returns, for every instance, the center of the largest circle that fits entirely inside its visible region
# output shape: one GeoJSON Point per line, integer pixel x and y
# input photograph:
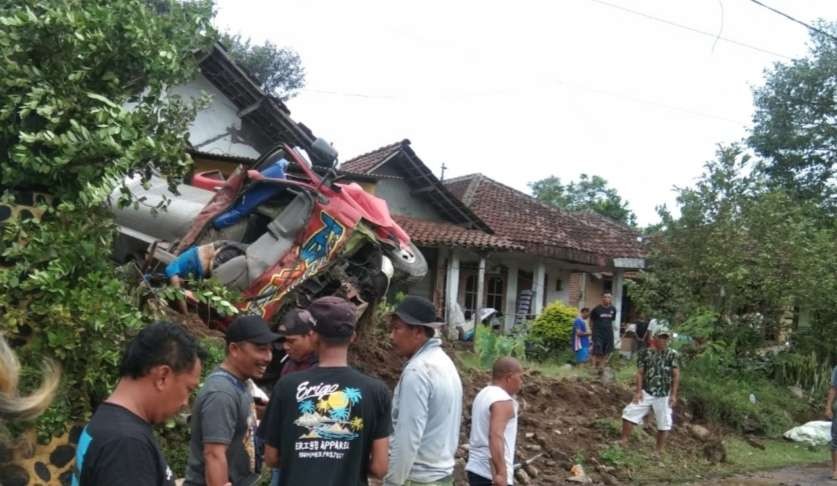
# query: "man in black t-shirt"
{"type": "Point", "coordinates": [602, 317]}
{"type": "Point", "coordinates": [159, 370]}
{"type": "Point", "coordinates": [329, 425]}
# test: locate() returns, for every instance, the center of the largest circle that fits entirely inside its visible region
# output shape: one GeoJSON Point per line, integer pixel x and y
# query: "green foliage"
{"type": "Point", "coordinates": [793, 124]}
{"type": "Point", "coordinates": [491, 345]}
{"type": "Point", "coordinates": [278, 70]}
{"type": "Point", "coordinates": [552, 331]}
{"type": "Point", "coordinates": [83, 104]}
{"type": "Point", "coordinates": [806, 371]}
{"type": "Point", "coordinates": [589, 193]}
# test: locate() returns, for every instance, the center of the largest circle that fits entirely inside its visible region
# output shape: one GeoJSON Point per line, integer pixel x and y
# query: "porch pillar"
{"type": "Point", "coordinates": [618, 284]}
{"type": "Point", "coordinates": [538, 289]}
{"type": "Point", "coordinates": [510, 312]}
{"type": "Point", "coordinates": [480, 303]}
{"type": "Point", "coordinates": [452, 290]}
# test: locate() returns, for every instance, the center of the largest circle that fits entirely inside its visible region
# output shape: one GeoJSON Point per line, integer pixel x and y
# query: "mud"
{"type": "Point", "coordinates": [791, 476]}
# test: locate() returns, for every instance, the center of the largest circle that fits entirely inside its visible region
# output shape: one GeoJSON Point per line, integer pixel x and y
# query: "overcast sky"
{"type": "Point", "coordinates": [526, 89]}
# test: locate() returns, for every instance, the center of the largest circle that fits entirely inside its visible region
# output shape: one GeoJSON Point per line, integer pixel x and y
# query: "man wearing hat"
{"type": "Point", "coordinates": [223, 416]}
{"type": "Point", "coordinates": [427, 405]}
{"type": "Point", "coordinates": [329, 425]}
{"type": "Point", "coordinates": [657, 383]}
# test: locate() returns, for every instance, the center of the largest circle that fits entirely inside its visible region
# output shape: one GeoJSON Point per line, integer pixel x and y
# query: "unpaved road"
{"type": "Point", "coordinates": [789, 476]}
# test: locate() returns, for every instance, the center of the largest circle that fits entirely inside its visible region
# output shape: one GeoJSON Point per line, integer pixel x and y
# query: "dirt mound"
{"type": "Point", "coordinates": [563, 420]}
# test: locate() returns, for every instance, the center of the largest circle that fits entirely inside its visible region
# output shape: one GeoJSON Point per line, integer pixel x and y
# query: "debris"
{"type": "Point", "coordinates": [522, 477]}
{"type": "Point", "coordinates": [699, 432]}
{"type": "Point", "coordinates": [577, 475]}
{"type": "Point", "coordinates": [753, 442]}
{"type": "Point", "coordinates": [817, 432]}
{"type": "Point", "coordinates": [797, 392]}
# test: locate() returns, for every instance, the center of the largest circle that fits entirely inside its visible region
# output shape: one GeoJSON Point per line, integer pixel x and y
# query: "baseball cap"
{"type": "Point", "coordinates": [418, 311]}
{"type": "Point", "coordinates": [296, 322]}
{"type": "Point", "coordinates": [661, 330]}
{"type": "Point", "coordinates": [250, 328]}
{"type": "Point", "coordinates": [333, 316]}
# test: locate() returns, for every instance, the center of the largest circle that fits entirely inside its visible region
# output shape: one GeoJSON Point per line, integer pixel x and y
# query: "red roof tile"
{"type": "Point", "coordinates": [540, 227]}
{"type": "Point", "coordinates": [364, 164]}
{"type": "Point", "coordinates": [435, 234]}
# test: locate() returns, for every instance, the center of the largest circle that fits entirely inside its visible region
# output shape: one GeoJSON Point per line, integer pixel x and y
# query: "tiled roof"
{"type": "Point", "coordinates": [439, 234]}
{"type": "Point", "coordinates": [421, 179]}
{"type": "Point", "coordinates": [364, 164]}
{"type": "Point", "coordinates": [544, 229]}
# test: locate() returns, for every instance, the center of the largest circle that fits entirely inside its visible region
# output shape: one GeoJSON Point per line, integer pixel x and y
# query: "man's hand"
{"type": "Point", "coordinates": [829, 413]}
{"type": "Point", "coordinates": [672, 401]}
{"type": "Point", "coordinates": [637, 397]}
{"type": "Point", "coordinates": [499, 479]}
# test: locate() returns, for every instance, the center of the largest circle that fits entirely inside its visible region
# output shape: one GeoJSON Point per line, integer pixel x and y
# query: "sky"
{"type": "Point", "coordinates": [523, 90]}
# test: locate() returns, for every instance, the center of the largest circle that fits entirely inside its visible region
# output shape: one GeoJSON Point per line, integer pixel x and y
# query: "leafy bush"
{"type": "Point", "coordinates": [491, 345]}
{"type": "Point", "coordinates": [552, 330]}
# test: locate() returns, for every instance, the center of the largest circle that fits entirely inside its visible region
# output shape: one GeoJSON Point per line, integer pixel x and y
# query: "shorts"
{"type": "Point", "coordinates": [582, 355]}
{"type": "Point", "coordinates": [635, 412]}
{"type": "Point", "coordinates": [602, 343]}
{"type": "Point", "coordinates": [477, 480]}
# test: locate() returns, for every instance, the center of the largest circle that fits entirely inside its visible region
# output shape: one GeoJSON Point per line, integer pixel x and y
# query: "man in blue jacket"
{"type": "Point", "coordinates": [427, 405]}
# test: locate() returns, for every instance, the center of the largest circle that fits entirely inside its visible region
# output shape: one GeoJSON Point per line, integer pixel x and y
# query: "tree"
{"type": "Point", "coordinates": [589, 193]}
{"type": "Point", "coordinates": [742, 251]}
{"type": "Point", "coordinates": [795, 123]}
{"type": "Point", "coordinates": [279, 71]}
{"type": "Point", "coordinates": [83, 103]}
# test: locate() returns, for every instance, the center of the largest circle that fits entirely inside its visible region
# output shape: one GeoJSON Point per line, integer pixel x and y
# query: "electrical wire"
{"type": "Point", "coordinates": [690, 29]}
{"type": "Point", "coordinates": [792, 19]}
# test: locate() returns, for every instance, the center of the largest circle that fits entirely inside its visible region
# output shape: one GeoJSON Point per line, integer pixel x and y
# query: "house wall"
{"type": "Point", "coordinates": [396, 192]}
{"type": "Point", "coordinates": [219, 119]}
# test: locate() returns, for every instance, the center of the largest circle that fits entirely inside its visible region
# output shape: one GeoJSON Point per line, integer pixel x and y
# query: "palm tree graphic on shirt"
{"type": "Point", "coordinates": [331, 417]}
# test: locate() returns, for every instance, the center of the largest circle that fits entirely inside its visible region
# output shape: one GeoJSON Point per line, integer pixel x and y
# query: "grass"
{"type": "Point", "coordinates": [550, 368]}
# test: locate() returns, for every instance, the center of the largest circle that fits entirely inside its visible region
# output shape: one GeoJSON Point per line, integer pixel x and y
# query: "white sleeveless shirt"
{"type": "Point", "coordinates": [479, 453]}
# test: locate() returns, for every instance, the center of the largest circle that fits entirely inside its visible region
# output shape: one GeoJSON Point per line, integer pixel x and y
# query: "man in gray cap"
{"type": "Point", "coordinates": [657, 384]}
{"type": "Point", "coordinates": [427, 405]}
{"type": "Point", "coordinates": [221, 448]}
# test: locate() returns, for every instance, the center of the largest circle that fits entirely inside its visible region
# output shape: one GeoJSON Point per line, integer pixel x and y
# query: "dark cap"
{"type": "Point", "coordinates": [333, 316]}
{"type": "Point", "coordinates": [418, 311]}
{"type": "Point", "coordinates": [296, 322]}
{"type": "Point", "coordinates": [250, 328]}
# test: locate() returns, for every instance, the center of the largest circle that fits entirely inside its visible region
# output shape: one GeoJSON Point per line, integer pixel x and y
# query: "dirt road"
{"type": "Point", "coordinates": [789, 476]}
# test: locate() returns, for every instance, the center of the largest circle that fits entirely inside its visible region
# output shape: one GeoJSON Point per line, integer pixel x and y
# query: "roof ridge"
{"type": "Point", "coordinates": [405, 141]}
{"type": "Point", "coordinates": [461, 178]}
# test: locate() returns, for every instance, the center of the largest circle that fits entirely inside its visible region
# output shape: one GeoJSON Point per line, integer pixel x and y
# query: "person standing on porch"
{"type": "Point", "coordinates": [602, 318]}
{"type": "Point", "coordinates": [427, 404]}
{"type": "Point", "coordinates": [581, 337]}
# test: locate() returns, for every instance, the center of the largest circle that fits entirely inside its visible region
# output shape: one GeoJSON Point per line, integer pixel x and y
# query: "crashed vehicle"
{"type": "Point", "coordinates": [300, 235]}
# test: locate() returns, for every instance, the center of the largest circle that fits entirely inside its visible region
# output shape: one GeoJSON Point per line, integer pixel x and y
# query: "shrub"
{"type": "Point", "coordinates": [490, 345]}
{"type": "Point", "coordinates": [553, 329]}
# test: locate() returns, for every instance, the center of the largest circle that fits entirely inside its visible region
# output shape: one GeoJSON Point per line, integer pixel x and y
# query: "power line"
{"type": "Point", "coordinates": [792, 19]}
{"type": "Point", "coordinates": [690, 29]}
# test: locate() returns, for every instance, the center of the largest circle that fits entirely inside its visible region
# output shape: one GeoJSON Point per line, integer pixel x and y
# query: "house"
{"type": "Point", "coordinates": [240, 122]}
{"type": "Point", "coordinates": [490, 245]}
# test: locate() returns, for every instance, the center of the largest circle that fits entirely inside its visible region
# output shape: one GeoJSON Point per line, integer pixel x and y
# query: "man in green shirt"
{"type": "Point", "coordinates": [657, 382]}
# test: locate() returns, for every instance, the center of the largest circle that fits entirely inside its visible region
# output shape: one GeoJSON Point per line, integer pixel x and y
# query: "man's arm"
{"type": "Point", "coordinates": [675, 385]}
{"type": "Point", "coordinates": [829, 403]}
{"type": "Point", "coordinates": [379, 457]}
{"type": "Point", "coordinates": [640, 376]}
{"type": "Point", "coordinates": [501, 413]}
{"type": "Point", "coordinates": [414, 392]}
{"type": "Point", "coordinates": [216, 471]}
{"type": "Point", "coordinates": [271, 456]}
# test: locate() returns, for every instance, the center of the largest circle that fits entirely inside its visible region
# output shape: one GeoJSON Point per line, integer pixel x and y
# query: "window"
{"type": "Point", "coordinates": [495, 290]}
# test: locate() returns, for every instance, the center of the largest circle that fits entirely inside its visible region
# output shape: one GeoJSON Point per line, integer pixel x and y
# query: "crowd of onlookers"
{"type": "Point", "coordinates": [324, 422]}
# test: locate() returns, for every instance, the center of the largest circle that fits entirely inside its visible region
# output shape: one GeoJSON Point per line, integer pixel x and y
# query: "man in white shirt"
{"type": "Point", "coordinates": [494, 427]}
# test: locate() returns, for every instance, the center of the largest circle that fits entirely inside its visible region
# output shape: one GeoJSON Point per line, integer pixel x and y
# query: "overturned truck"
{"type": "Point", "coordinates": [281, 233]}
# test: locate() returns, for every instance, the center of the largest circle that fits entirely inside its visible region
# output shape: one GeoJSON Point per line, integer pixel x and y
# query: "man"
{"type": "Point", "coordinates": [427, 405]}
{"type": "Point", "coordinates": [657, 383]}
{"type": "Point", "coordinates": [299, 342]}
{"type": "Point", "coordinates": [329, 425]}
{"type": "Point", "coordinates": [829, 412]}
{"type": "Point", "coordinates": [198, 262]}
{"type": "Point", "coordinates": [221, 448]}
{"type": "Point", "coordinates": [581, 337]}
{"type": "Point", "coordinates": [602, 317]}
{"type": "Point", "coordinates": [160, 368]}
{"type": "Point", "coordinates": [494, 427]}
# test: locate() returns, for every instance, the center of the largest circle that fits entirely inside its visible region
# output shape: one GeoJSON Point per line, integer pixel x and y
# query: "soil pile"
{"type": "Point", "coordinates": [561, 421]}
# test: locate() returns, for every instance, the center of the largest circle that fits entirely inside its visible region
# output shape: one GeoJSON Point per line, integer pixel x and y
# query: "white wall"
{"type": "Point", "coordinates": [214, 120]}
{"type": "Point", "coordinates": [554, 274]}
